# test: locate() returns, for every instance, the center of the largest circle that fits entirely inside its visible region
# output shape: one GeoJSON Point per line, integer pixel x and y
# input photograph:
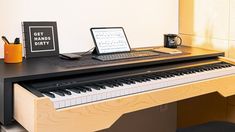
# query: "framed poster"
{"type": "Point", "coordinates": [40, 39]}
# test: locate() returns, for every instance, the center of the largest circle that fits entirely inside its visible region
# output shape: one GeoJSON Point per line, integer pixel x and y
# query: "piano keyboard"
{"type": "Point", "coordinates": [92, 92]}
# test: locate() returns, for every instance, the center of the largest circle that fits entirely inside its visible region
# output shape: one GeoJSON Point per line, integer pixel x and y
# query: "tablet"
{"type": "Point", "coordinates": [110, 40]}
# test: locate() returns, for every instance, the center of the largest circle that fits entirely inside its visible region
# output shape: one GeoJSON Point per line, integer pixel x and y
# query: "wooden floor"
{"type": "Point", "coordinates": [15, 127]}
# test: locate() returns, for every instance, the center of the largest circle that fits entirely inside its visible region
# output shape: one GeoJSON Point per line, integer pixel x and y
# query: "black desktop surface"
{"type": "Point", "coordinates": [52, 67]}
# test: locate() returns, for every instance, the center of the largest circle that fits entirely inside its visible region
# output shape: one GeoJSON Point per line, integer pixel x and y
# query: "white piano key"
{"type": "Point", "coordinates": [83, 99]}
{"type": "Point", "coordinates": [122, 92]}
{"type": "Point", "coordinates": [56, 104]}
{"type": "Point", "coordinates": [100, 96]}
{"type": "Point", "coordinates": [67, 103]}
{"type": "Point", "coordinates": [59, 99]}
{"type": "Point", "coordinates": [109, 95]}
{"type": "Point", "coordinates": [73, 101]}
{"type": "Point", "coordinates": [103, 95]}
{"type": "Point", "coordinates": [79, 100]}
{"type": "Point", "coordinates": [62, 104]}
{"type": "Point", "coordinates": [89, 98]}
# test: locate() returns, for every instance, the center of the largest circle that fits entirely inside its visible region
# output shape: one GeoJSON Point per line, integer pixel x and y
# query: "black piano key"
{"type": "Point", "coordinates": [169, 75]}
{"type": "Point", "coordinates": [113, 83]}
{"type": "Point", "coordinates": [226, 66]}
{"type": "Point", "coordinates": [94, 87]}
{"type": "Point", "coordinates": [144, 78]}
{"type": "Point", "coordinates": [176, 73]}
{"type": "Point", "coordinates": [141, 78]}
{"type": "Point", "coordinates": [184, 71]}
{"type": "Point", "coordinates": [124, 81]}
{"type": "Point", "coordinates": [59, 92]}
{"type": "Point", "coordinates": [116, 83]}
{"type": "Point", "coordinates": [188, 72]}
{"type": "Point", "coordinates": [49, 94]}
{"type": "Point", "coordinates": [201, 70]}
{"type": "Point", "coordinates": [119, 82]}
{"type": "Point", "coordinates": [197, 70]}
{"type": "Point", "coordinates": [136, 80]}
{"type": "Point", "coordinates": [87, 88]}
{"type": "Point", "coordinates": [67, 92]}
{"type": "Point", "coordinates": [147, 75]}
{"type": "Point", "coordinates": [162, 75]}
{"type": "Point", "coordinates": [209, 68]}
{"type": "Point", "coordinates": [217, 67]}
{"type": "Point", "coordinates": [75, 90]}
{"type": "Point", "coordinates": [158, 77]}
{"type": "Point", "coordinates": [153, 76]}
{"type": "Point", "coordinates": [107, 84]}
{"type": "Point", "coordinates": [81, 89]}
{"type": "Point", "coordinates": [110, 84]}
{"type": "Point", "coordinates": [129, 80]}
{"type": "Point", "coordinates": [99, 86]}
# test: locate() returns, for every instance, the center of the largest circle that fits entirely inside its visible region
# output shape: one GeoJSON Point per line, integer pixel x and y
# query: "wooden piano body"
{"type": "Point", "coordinates": [37, 114]}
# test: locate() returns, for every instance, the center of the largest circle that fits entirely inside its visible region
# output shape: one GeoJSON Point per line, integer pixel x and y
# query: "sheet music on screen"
{"type": "Point", "coordinates": [110, 40]}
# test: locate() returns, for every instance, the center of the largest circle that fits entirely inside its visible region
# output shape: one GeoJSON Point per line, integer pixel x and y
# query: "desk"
{"type": "Point", "coordinates": [41, 68]}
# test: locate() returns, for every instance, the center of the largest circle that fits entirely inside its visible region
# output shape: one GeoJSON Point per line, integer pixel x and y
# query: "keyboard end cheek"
{"type": "Point", "coordinates": [27, 107]}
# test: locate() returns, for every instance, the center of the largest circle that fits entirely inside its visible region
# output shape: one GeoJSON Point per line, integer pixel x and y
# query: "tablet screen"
{"type": "Point", "coordinates": [110, 40]}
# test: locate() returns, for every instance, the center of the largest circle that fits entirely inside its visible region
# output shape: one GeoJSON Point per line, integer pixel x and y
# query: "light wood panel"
{"type": "Point", "coordinates": [186, 19]}
{"type": "Point", "coordinates": [202, 18]}
{"type": "Point", "coordinates": [39, 114]}
{"type": "Point", "coordinates": [232, 49]}
{"type": "Point", "coordinates": [24, 103]}
{"type": "Point", "coordinates": [208, 24]}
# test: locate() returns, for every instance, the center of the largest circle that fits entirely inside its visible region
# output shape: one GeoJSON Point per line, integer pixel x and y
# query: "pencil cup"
{"type": "Point", "coordinates": [12, 53]}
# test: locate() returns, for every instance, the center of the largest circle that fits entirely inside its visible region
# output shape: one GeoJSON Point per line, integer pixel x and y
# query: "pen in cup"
{"type": "Point", "coordinates": [17, 41]}
{"type": "Point", "coordinates": [5, 40]}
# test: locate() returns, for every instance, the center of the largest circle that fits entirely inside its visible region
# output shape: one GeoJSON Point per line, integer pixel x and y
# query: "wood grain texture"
{"type": "Point", "coordinates": [100, 115]}
{"type": "Point", "coordinates": [24, 108]}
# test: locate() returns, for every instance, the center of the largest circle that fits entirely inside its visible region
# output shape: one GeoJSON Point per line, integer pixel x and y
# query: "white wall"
{"type": "Point", "coordinates": [145, 21]}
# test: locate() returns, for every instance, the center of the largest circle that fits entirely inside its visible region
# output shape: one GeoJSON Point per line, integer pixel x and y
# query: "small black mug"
{"type": "Point", "coordinates": [172, 40]}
